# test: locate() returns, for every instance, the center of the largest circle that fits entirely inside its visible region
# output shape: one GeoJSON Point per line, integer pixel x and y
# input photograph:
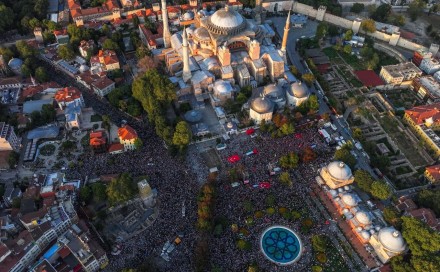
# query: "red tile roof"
{"type": "Point", "coordinates": [369, 78]}
{"type": "Point", "coordinates": [102, 83]}
{"type": "Point", "coordinates": [434, 171]}
{"type": "Point", "coordinates": [427, 216]}
{"type": "Point", "coordinates": [420, 113]}
{"type": "Point", "coordinates": [67, 94]}
{"type": "Point", "coordinates": [60, 32]}
{"type": "Point", "coordinates": [97, 138]}
{"type": "Point", "coordinates": [115, 147]}
{"type": "Point", "coordinates": [127, 133]}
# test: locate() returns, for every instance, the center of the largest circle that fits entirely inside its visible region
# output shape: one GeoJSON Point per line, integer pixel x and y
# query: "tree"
{"type": "Point", "coordinates": [363, 179]}
{"type": "Point", "coordinates": [66, 52]}
{"type": "Point", "coordinates": [348, 35]}
{"type": "Point", "coordinates": [16, 203]}
{"type": "Point", "coordinates": [392, 216]}
{"type": "Point", "coordinates": [85, 193]}
{"type": "Point", "coordinates": [6, 18]}
{"type": "Point", "coordinates": [13, 158]}
{"type": "Point", "coordinates": [289, 161]}
{"type": "Point", "coordinates": [41, 75]}
{"type": "Point", "coordinates": [321, 30]}
{"type": "Point", "coordinates": [333, 31]}
{"type": "Point", "coordinates": [368, 25]}
{"type": "Point", "coordinates": [308, 78]}
{"type": "Point", "coordinates": [40, 8]}
{"type": "Point", "coordinates": [294, 70]}
{"type": "Point", "coordinates": [347, 49]}
{"type": "Point", "coordinates": [135, 21]}
{"type": "Point", "coordinates": [138, 143]}
{"type": "Point", "coordinates": [99, 191]}
{"type": "Point", "coordinates": [320, 243]}
{"type": "Point", "coordinates": [357, 134]}
{"type": "Point", "coordinates": [121, 189]}
{"type": "Point", "coordinates": [7, 53]}
{"type": "Point", "coordinates": [357, 8]}
{"type": "Point", "coordinates": [24, 49]}
{"type": "Point", "coordinates": [421, 239]}
{"type": "Point", "coordinates": [146, 63]}
{"type": "Point", "coordinates": [397, 19]}
{"type": "Point", "coordinates": [308, 155]}
{"type": "Point", "coordinates": [415, 9]}
{"type": "Point", "coordinates": [344, 155]}
{"type": "Point", "coordinates": [380, 190]}
{"type": "Point", "coordinates": [48, 113]}
{"type": "Point", "coordinates": [285, 179]}
{"type": "Point", "coordinates": [287, 128]}
{"type": "Point", "coordinates": [109, 44]}
{"type": "Point", "coordinates": [182, 135]}
{"type": "Point", "coordinates": [381, 13]}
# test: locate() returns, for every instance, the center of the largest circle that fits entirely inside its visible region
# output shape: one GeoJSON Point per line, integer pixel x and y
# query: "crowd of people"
{"type": "Point", "coordinates": [232, 201]}
{"type": "Point", "coordinates": [178, 182]}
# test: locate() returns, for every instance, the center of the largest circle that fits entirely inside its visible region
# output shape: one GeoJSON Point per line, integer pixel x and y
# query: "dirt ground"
{"type": "Point", "coordinates": [419, 26]}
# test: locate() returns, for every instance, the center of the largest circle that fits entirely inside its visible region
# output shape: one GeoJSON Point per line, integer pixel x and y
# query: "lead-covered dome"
{"type": "Point", "coordinates": [339, 170]}
{"type": "Point", "coordinates": [202, 34]}
{"type": "Point", "coordinates": [392, 240]}
{"type": "Point", "coordinates": [363, 217]}
{"type": "Point", "coordinates": [261, 105]}
{"type": "Point", "coordinates": [299, 90]}
{"type": "Point", "coordinates": [349, 200]}
{"type": "Point", "coordinates": [226, 21]}
{"type": "Point", "coordinates": [273, 90]}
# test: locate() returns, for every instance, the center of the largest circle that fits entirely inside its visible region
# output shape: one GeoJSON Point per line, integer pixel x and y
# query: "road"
{"type": "Point", "coordinates": [342, 126]}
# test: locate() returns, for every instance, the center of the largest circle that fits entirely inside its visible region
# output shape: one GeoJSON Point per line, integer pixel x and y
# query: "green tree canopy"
{"type": "Point", "coordinates": [357, 8]}
{"type": "Point", "coordinates": [348, 35]}
{"type": "Point", "coordinates": [321, 30]}
{"type": "Point", "coordinates": [416, 9]}
{"type": "Point", "coordinates": [121, 189]}
{"type": "Point", "coordinates": [430, 199]}
{"type": "Point", "coordinates": [289, 161]}
{"type": "Point", "coordinates": [109, 44]}
{"type": "Point", "coordinates": [99, 191]}
{"type": "Point", "coordinates": [66, 52]}
{"type": "Point", "coordinates": [392, 216]}
{"type": "Point", "coordinates": [363, 179]}
{"type": "Point", "coordinates": [85, 193]}
{"type": "Point", "coordinates": [285, 179]}
{"type": "Point", "coordinates": [368, 25]}
{"type": "Point", "coordinates": [41, 74]}
{"type": "Point", "coordinates": [182, 135]}
{"type": "Point", "coordinates": [344, 155]}
{"type": "Point", "coordinates": [320, 243]}
{"type": "Point", "coordinates": [421, 239]}
{"type": "Point", "coordinates": [138, 143]}
{"type": "Point", "coordinates": [381, 13]}
{"type": "Point", "coordinates": [6, 18]}
{"type": "Point", "coordinates": [380, 190]}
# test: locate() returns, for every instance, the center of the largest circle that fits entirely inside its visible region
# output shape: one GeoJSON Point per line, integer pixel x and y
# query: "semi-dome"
{"type": "Point", "coordinates": [365, 235]}
{"type": "Point", "coordinates": [349, 200]}
{"type": "Point", "coordinates": [298, 90]}
{"type": "Point", "coordinates": [262, 105]}
{"type": "Point", "coordinates": [339, 170]}
{"type": "Point", "coordinates": [202, 34]}
{"type": "Point", "coordinates": [188, 16]}
{"type": "Point", "coordinates": [193, 116]}
{"type": "Point", "coordinates": [226, 22]}
{"type": "Point", "coordinates": [363, 217]}
{"type": "Point", "coordinates": [392, 240]}
{"type": "Point", "coordinates": [15, 63]}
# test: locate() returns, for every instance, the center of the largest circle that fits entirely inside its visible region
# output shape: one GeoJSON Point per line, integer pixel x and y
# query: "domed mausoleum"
{"type": "Point", "coordinates": [387, 243]}
{"type": "Point", "coordinates": [261, 108]}
{"type": "Point", "coordinates": [336, 174]}
{"type": "Point", "coordinates": [276, 94]}
{"type": "Point", "coordinates": [297, 94]}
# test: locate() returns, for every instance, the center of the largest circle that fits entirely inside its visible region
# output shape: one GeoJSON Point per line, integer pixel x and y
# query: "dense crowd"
{"type": "Point", "coordinates": [231, 200]}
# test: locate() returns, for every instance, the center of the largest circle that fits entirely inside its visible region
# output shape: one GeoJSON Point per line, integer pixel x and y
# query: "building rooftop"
{"type": "Point", "coordinates": [420, 114]}
{"type": "Point", "coordinates": [127, 133]}
{"type": "Point", "coordinates": [399, 70]}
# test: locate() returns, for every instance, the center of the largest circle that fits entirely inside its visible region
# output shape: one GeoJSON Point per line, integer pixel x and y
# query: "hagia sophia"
{"type": "Point", "coordinates": [219, 52]}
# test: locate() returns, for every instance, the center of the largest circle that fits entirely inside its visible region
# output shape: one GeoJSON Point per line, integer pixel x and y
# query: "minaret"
{"type": "Point", "coordinates": [257, 12]}
{"type": "Point", "coordinates": [286, 33]}
{"type": "Point", "coordinates": [166, 27]}
{"type": "Point", "coordinates": [186, 75]}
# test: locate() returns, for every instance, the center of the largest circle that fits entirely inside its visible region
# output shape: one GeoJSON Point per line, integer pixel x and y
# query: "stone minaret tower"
{"type": "Point", "coordinates": [257, 11]}
{"type": "Point", "coordinates": [286, 33]}
{"type": "Point", "coordinates": [166, 26]}
{"type": "Point", "coordinates": [186, 75]}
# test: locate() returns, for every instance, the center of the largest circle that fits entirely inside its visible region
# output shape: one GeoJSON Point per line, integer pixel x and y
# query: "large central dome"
{"type": "Point", "coordinates": [226, 21]}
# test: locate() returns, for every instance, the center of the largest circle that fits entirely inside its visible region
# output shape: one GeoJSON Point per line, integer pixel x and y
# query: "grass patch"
{"type": "Point", "coordinates": [47, 150]}
{"type": "Point", "coordinates": [331, 53]}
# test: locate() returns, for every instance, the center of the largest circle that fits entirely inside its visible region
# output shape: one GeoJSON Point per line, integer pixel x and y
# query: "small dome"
{"type": "Point", "coordinates": [347, 188]}
{"type": "Point", "coordinates": [333, 193]}
{"type": "Point", "coordinates": [202, 34]}
{"type": "Point", "coordinates": [363, 218]}
{"type": "Point", "coordinates": [188, 16]}
{"type": "Point", "coordinates": [273, 90]}
{"type": "Point", "coordinates": [298, 90]}
{"type": "Point", "coordinates": [339, 170]}
{"type": "Point", "coordinates": [349, 200]}
{"type": "Point", "coordinates": [15, 63]}
{"type": "Point", "coordinates": [392, 240]}
{"type": "Point", "coordinates": [222, 87]}
{"type": "Point", "coordinates": [365, 235]}
{"type": "Point", "coordinates": [83, 68]}
{"type": "Point", "coordinates": [262, 105]}
{"type": "Point", "coordinates": [226, 18]}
